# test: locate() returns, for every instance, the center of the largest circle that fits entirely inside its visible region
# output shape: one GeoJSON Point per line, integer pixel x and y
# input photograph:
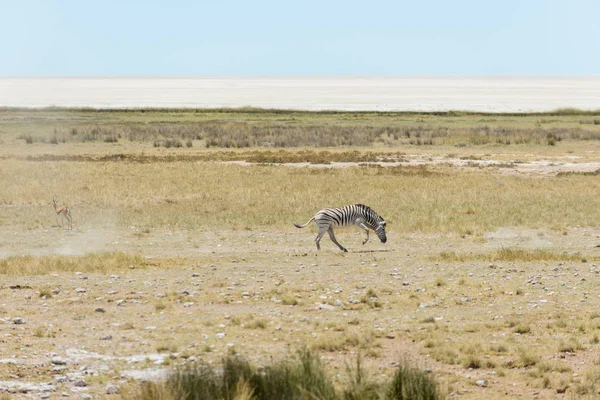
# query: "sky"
{"type": "Point", "coordinates": [301, 38]}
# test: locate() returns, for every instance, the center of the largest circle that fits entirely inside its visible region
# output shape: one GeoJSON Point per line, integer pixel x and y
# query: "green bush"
{"type": "Point", "coordinates": [302, 377]}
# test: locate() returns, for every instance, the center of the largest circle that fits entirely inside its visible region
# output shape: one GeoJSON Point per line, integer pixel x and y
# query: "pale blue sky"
{"type": "Point", "coordinates": [284, 38]}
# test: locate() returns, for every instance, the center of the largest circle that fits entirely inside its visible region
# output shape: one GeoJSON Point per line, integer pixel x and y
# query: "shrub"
{"type": "Point", "coordinates": [300, 378]}
{"type": "Point", "coordinates": [410, 383]}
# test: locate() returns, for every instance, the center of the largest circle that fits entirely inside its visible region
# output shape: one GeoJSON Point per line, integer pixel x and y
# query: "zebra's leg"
{"type": "Point", "coordinates": [362, 225]}
{"type": "Point", "coordinates": [332, 237]}
{"type": "Point", "coordinates": [319, 236]}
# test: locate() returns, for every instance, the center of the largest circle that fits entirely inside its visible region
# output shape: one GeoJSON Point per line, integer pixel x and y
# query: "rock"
{"type": "Point", "coordinates": [81, 290]}
{"type": "Point", "coordinates": [112, 389]}
{"type": "Point", "coordinates": [120, 302]}
{"type": "Point", "coordinates": [100, 310]}
{"type": "Point", "coordinates": [322, 306]}
{"type": "Point", "coordinates": [339, 303]}
{"type": "Point", "coordinates": [80, 383]}
{"type": "Point", "coordinates": [107, 337]}
{"type": "Point", "coordinates": [55, 291]}
{"type": "Point", "coordinates": [18, 321]}
{"type": "Point", "coordinates": [58, 361]}
{"type": "Point", "coordinates": [481, 383]}
{"type": "Point", "coordinates": [195, 275]}
{"type": "Point", "coordinates": [220, 335]}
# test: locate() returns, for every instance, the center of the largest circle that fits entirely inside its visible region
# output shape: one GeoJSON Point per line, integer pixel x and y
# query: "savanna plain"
{"type": "Point", "coordinates": [183, 252]}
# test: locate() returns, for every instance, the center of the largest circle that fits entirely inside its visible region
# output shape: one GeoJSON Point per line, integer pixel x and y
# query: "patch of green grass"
{"type": "Point", "coordinates": [301, 377]}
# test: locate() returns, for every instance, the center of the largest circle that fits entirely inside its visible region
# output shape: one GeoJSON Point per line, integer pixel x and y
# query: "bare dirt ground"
{"type": "Point", "coordinates": [265, 293]}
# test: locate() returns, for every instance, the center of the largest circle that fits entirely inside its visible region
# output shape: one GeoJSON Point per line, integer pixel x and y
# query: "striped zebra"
{"type": "Point", "coordinates": [356, 214]}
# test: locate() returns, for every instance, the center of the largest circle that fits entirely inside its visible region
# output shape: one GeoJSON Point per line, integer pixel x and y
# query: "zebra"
{"type": "Point", "coordinates": [356, 214]}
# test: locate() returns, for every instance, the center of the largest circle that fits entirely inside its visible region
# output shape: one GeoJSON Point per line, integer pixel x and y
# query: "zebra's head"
{"type": "Point", "coordinates": [380, 231]}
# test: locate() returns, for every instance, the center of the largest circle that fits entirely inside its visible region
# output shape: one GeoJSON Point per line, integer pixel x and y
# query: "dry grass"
{"type": "Point", "coordinates": [512, 255]}
{"type": "Point", "coordinates": [90, 263]}
{"type": "Point", "coordinates": [209, 196]}
{"type": "Point", "coordinates": [268, 128]}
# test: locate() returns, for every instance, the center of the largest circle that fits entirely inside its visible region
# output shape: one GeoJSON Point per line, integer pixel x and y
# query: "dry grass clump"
{"type": "Point", "coordinates": [93, 262]}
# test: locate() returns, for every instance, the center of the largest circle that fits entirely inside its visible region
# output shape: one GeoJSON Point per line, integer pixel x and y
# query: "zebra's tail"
{"type": "Point", "coordinates": [302, 226]}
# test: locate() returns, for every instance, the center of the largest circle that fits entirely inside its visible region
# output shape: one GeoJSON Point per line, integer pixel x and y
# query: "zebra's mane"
{"type": "Point", "coordinates": [369, 210]}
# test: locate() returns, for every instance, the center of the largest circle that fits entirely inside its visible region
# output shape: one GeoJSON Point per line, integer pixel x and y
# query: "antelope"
{"type": "Point", "coordinates": [62, 212]}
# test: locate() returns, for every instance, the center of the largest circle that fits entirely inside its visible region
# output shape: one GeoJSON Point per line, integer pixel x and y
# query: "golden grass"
{"type": "Point", "coordinates": [90, 263]}
{"type": "Point", "coordinates": [220, 196]}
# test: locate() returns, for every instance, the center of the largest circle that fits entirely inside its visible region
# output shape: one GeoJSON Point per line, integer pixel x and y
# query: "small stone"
{"type": "Point", "coordinates": [220, 335]}
{"type": "Point", "coordinates": [81, 290]}
{"type": "Point", "coordinates": [112, 389]}
{"type": "Point", "coordinates": [100, 310]}
{"type": "Point", "coordinates": [55, 291]}
{"type": "Point", "coordinates": [195, 275]}
{"type": "Point", "coordinates": [18, 321]}
{"type": "Point", "coordinates": [481, 383]}
{"type": "Point", "coordinates": [58, 361]}
{"type": "Point", "coordinates": [339, 303]}
{"type": "Point", "coordinates": [80, 383]}
{"type": "Point", "coordinates": [390, 336]}
{"type": "Point", "coordinates": [107, 337]}
{"type": "Point", "coordinates": [322, 306]}
{"type": "Point", "coordinates": [120, 302]}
